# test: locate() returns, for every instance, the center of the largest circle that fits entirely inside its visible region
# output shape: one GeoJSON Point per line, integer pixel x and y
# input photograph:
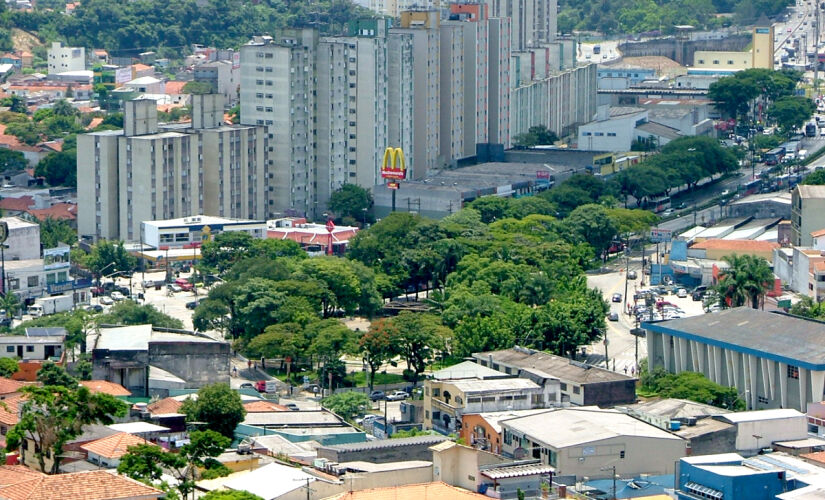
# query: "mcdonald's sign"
{"type": "Point", "coordinates": [393, 166]}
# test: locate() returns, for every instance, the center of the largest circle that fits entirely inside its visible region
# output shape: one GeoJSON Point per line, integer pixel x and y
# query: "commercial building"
{"type": "Point", "coordinates": [186, 232]}
{"type": "Point", "coordinates": [62, 59]}
{"type": "Point", "coordinates": [483, 430]}
{"type": "Point", "coordinates": [382, 450]}
{"type": "Point", "coordinates": [278, 79]}
{"type": "Point", "coordinates": [616, 129]}
{"type": "Point", "coordinates": [590, 441]}
{"type": "Point", "coordinates": [773, 360]}
{"type": "Point", "coordinates": [807, 213]}
{"type": "Point", "coordinates": [149, 171]}
{"type": "Point", "coordinates": [580, 384]}
{"type": "Point", "coordinates": [761, 55]}
{"type": "Point", "coordinates": [148, 361]}
{"type": "Point", "coordinates": [762, 206]}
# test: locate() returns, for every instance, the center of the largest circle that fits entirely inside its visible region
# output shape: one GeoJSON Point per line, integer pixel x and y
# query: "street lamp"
{"type": "Point", "coordinates": [611, 468]}
{"type": "Point", "coordinates": [364, 210]}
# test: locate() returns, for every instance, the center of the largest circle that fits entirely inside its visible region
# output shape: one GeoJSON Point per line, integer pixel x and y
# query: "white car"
{"type": "Point", "coordinates": [106, 301]}
{"type": "Point", "coordinates": [681, 293]}
{"type": "Point", "coordinates": [117, 296]}
{"type": "Point", "coordinates": [398, 396]}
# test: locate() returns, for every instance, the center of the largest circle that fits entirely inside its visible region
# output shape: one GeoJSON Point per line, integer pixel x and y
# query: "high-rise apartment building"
{"type": "Point", "coordinates": [424, 28]}
{"type": "Point", "coordinates": [151, 171]}
{"type": "Point", "coordinates": [499, 50]}
{"type": "Point", "coordinates": [451, 89]}
{"type": "Point", "coordinates": [400, 95]}
{"type": "Point", "coordinates": [278, 91]}
{"type": "Point", "coordinates": [533, 22]}
{"type": "Point", "coordinates": [351, 104]}
{"type": "Point", "coordinates": [394, 8]}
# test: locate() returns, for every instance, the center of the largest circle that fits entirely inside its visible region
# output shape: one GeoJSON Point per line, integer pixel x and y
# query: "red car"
{"type": "Point", "coordinates": [184, 284]}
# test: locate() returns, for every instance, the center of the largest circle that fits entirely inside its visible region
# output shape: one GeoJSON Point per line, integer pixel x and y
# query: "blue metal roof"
{"type": "Point", "coordinates": [775, 336]}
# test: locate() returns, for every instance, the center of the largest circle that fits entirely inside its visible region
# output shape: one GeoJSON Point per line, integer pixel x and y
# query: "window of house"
{"type": "Point", "coordinates": [33, 281]}
{"type": "Point", "coordinates": [9, 348]}
{"type": "Point", "coordinates": [29, 348]}
{"type": "Point", "coordinates": [436, 392]}
{"type": "Point", "coordinates": [701, 61]}
{"type": "Point", "coordinates": [577, 389]}
{"type": "Point", "coordinates": [793, 371]}
{"type": "Point", "coordinates": [563, 386]}
{"type": "Point", "coordinates": [458, 400]}
{"type": "Point", "coordinates": [621, 454]}
{"type": "Point", "coordinates": [715, 61]}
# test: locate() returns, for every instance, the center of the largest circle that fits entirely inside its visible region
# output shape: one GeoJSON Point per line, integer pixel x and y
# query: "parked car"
{"type": "Point", "coordinates": [631, 275]}
{"type": "Point", "coordinates": [106, 301]}
{"type": "Point", "coordinates": [617, 297]}
{"type": "Point", "coordinates": [174, 287]}
{"type": "Point", "coordinates": [614, 316]}
{"type": "Point", "coordinates": [193, 304]}
{"type": "Point", "coordinates": [681, 293]}
{"type": "Point", "coordinates": [184, 284]}
{"type": "Point", "coordinates": [97, 290]}
{"type": "Point", "coordinates": [398, 396]}
{"type": "Point", "coordinates": [697, 296]}
{"type": "Point", "coordinates": [94, 308]}
{"type": "Point", "coordinates": [247, 385]}
{"type": "Point", "coordinates": [117, 296]}
{"type": "Point", "coordinates": [292, 406]}
{"type": "Point", "coordinates": [124, 290]}
{"type": "Point", "coordinates": [378, 395]}
{"type": "Point", "coordinates": [667, 213]}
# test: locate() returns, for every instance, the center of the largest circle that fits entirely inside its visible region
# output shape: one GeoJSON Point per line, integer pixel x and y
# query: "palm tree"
{"type": "Point", "coordinates": [11, 304]}
{"type": "Point", "coordinates": [746, 280]}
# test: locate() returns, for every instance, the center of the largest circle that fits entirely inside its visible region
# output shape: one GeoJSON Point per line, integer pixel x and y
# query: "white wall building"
{"type": "Point", "coordinates": [186, 231]}
{"type": "Point", "coordinates": [451, 90]}
{"type": "Point", "coordinates": [613, 130]}
{"type": "Point", "coordinates": [62, 59]}
{"type": "Point", "coordinates": [23, 240]}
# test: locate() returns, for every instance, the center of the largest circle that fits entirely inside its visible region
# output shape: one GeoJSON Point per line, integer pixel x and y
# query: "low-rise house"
{"type": "Point", "coordinates": [446, 401]}
{"type": "Point", "coordinates": [105, 387]}
{"type": "Point", "coordinates": [579, 383]}
{"type": "Point", "coordinates": [72, 450]}
{"type": "Point", "coordinates": [664, 412]}
{"type": "Point", "coordinates": [759, 429]}
{"type": "Point", "coordinates": [483, 430]}
{"type": "Point", "coordinates": [586, 441]}
{"type": "Point", "coordinates": [425, 491]}
{"type": "Point", "coordinates": [107, 452]}
{"type": "Point", "coordinates": [21, 483]}
{"type": "Point", "coordinates": [31, 348]}
{"type": "Point", "coordinates": [382, 450]}
{"type": "Point", "coordinates": [9, 387]}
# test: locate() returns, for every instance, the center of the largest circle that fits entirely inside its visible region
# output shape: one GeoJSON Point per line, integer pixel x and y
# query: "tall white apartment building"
{"type": "Point", "coordinates": [150, 171]}
{"type": "Point", "coordinates": [352, 108]}
{"type": "Point", "coordinates": [394, 8]}
{"type": "Point", "coordinates": [451, 87]}
{"type": "Point", "coordinates": [498, 89]}
{"type": "Point", "coordinates": [534, 22]}
{"type": "Point", "coordinates": [278, 91]}
{"type": "Point", "coordinates": [62, 59]}
{"type": "Point", "coordinates": [423, 26]}
{"type": "Point", "coordinates": [400, 95]}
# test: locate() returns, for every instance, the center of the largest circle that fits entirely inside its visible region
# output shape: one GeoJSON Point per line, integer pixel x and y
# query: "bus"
{"type": "Point", "coordinates": [657, 204]}
{"type": "Point", "coordinates": [597, 49]}
{"type": "Point", "coordinates": [774, 156]}
{"type": "Point", "coordinates": [810, 129]}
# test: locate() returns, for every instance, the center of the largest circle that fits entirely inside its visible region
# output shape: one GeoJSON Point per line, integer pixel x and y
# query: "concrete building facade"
{"type": "Point", "coordinates": [807, 213]}
{"type": "Point", "coordinates": [150, 172]}
{"type": "Point", "coordinates": [773, 360]}
{"type": "Point", "coordinates": [62, 59]}
{"type": "Point", "coordinates": [499, 50]}
{"type": "Point", "coordinates": [452, 80]}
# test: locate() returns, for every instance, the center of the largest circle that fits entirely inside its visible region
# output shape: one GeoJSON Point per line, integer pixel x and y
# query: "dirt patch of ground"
{"type": "Point", "coordinates": [664, 66]}
{"type": "Point", "coordinates": [23, 40]}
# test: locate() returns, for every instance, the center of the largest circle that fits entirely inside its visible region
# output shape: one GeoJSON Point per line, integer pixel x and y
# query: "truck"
{"type": "Point", "coordinates": [44, 306]}
{"type": "Point", "coordinates": [267, 386]}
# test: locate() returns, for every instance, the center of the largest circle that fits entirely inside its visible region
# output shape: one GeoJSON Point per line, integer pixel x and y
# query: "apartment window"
{"type": "Point", "coordinates": [268, 56]}
{"type": "Point", "coordinates": [793, 371]}
{"type": "Point", "coordinates": [259, 95]}
{"type": "Point", "coordinates": [563, 386]}
{"type": "Point", "coordinates": [33, 281]}
{"type": "Point", "coordinates": [611, 134]}
{"type": "Point", "coordinates": [436, 392]}
{"type": "Point", "coordinates": [716, 61]}
{"type": "Point", "coordinates": [730, 62]}
{"type": "Point", "coordinates": [586, 134]}
{"type": "Point", "coordinates": [259, 82]}
{"type": "Point", "coordinates": [29, 348]}
{"type": "Point", "coordinates": [599, 134]}
{"type": "Point", "coordinates": [577, 389]}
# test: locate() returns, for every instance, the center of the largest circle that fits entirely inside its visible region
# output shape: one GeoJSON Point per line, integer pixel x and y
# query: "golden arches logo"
{"type": "Point", "coordinates": [394, 166]}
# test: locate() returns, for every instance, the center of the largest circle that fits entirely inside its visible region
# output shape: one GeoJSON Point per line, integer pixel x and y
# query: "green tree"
{"type": "Point", "coordinates": [54, 231]}
{"type": "Point", "coordinates": [348, 405]}
{"type": "Point", "coordinates": [218, 406]}
{"type": "Point", "coordinates": [376, 346]}
{"type": "Point", "coordinates": [339, 278]}
{"type": "Point", "coordinates": [11, 304]}
{"type": "Point", "coordinates": [732, 95]}
{"type": "Point", "coordinates": [593, 224]}
{"type": "Point", "coordinates": [110, 257]}
{"type": "Point", "coordinates": [59, 168]}
{"type": "Point", "coordinates": [572, 319]}
{"type": "Point", "coordinates": [230, 495]}
{"type": "Point", "coordinates": [745, 281]}
{"type": "Point", "coordinates": [195, 87]}
{"type": "Point", "coordinates": [129, 312]}
{"type": "Point", "coordinates": [535, 136]}
{"type": "Point", "coordinates": [790, 112]}
{"type": "Point", "coordinates": [51, 374]}
{"type": "Point", "coordinates": [8, 367]}
{"type": "Point", "coordinates": [225, 249]}
{"type": "Point", "coordinates": [420, 339]}
{"type": "Point", "coordinates": [351, 200]}
{"type": "Point", "coordinates": [51, 416]}
{"type": "Point", "coordinates": [490, 207]}
{"type": "Point", "coordinates": [146, 462]}
{"type": "Point", "coordinates": [12, 160]}
{"type": "Point", "coordinates": [815, 178]}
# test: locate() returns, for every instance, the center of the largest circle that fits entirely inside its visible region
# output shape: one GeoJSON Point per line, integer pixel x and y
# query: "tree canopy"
{"type": "Point", "coordinates": [218, 406]}
{"type": "Point", "coordinates": [745, 281]}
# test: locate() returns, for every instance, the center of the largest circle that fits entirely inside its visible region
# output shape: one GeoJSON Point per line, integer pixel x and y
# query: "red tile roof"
{"type": "Point", "coordinates": [263, 407]}
{"type": "Point", "coordinates": [20, 483]}
{"type": "Point", "coordinates": [816, 457]}
{"type": "Point", "coordinates": [9, 386]}
{"type": "Point", "coordinates": [105, 387]}
{"type": "Point", "coordinates": [140, 67]}
{"type": "Point", "coordinates": [174, 87]}
{"type": "Point", "coordinates": [162, 406]}
{"type": "Point", "coordinates": [114, 446]}
{"type": "Point", "coordinates": [737, 245]}
{"type": "Point", "coordinates": [58, 211]}
{"type": "Point", "coordinates": [94, 123]}
{"type": "Point", "coordinates": [10, 409]}
{"type": "Point", "coordinates": [21, 204]}
{"type": "Point", "coordinates": [818, 233]}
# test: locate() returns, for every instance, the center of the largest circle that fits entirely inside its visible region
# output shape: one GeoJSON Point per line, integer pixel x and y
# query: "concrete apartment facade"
{"type": "Point", "coordinates": [278, 91]}
{"type": "Point", "coordinates": [451, 88]}
{"type": "Point", "coordinates": [400, 94]}
{"type": "Point", "coordinates": [499, 50]}
{"type": "Point", "coordinates": [807, 213]}
{"type": "Point", "coordinates": [149, 171]}
{"type": "Point", "coordinates": [62, 59]}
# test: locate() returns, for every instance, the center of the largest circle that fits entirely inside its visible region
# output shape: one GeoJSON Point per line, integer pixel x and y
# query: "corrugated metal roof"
{"type": "Point", "coordinates": [381, 444]}
{"type": "Point", "coordinates": [517, 471]}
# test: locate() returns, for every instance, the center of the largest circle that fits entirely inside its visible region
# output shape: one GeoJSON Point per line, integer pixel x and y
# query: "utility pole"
{"type": "Point", "coordinates": [612, 468]}
{"type": "Point", "coordinates": [816, 49]}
